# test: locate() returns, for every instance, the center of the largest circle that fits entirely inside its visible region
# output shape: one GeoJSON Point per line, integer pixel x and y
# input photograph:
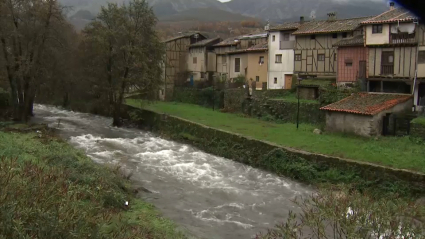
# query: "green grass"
{"type": "Point", "coordinates": [51, 190]}
{"type": "Point", "coordinates": [394, 152]}
{"type": "Point", "coordinates": [419, 120]}
{"type": "Point", "coordinates": [294, 99]}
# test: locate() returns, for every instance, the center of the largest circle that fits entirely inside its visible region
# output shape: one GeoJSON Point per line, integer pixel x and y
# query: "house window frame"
{"type": "Point", "coordinates": [273, 38]}
{"type": "Point", "coordinates": [377, 29]}
{"type": "Point", "coordinates": [298, 57]}
{"type": "Point", "coordinates": [278, 56]}
{"type": "Point", "coordinates": [321, 57]}
{"type": "Point", "coordinates": [344, 34]}
{"type": "Point", "coordinates": [421, 57]}
{"type": "Point", "coordinates": [275, 80]}
{"type": "Point", "coordinates": [334, 35]}
{"type": "Point", "coordinates": [238, 66]}
{"type": "Point", "coordinates": [224, 59]}
{"type": "Point", "coordinates": [286, 36]}
{"type": "Point", "coordinates": [257, 78]}
{"type": "Point", "coordinates": [261, 60]}
{"type": "Point", "coordinates": [313, 37]}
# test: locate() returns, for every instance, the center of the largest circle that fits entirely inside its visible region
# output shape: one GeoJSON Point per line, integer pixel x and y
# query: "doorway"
{"type": "Point", "coordinates": [288, 81]}
{"type": "Point", "coordinates": [387, 63]}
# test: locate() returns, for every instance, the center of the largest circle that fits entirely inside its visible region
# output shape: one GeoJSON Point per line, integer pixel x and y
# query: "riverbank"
{"type": "Point", "coordinates": [249, 143]}
{"type": "Point", "coordinates": [400, 153]}
{"type": "Point", "coordinates": [51, 190]}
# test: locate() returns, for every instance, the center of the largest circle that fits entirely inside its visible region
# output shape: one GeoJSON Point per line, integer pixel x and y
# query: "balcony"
{"type": "Point", "coordinates": [403, 38]}
{"type": "Point", "coordinates": [284, 45]}
{"type": "Point", "coordinates": [387, 69]}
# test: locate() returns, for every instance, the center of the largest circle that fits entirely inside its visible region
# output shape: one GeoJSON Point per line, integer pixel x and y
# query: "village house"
{"type": "Point", "coordinates": [315, 54]}
{"type": "Point", "coordinates": [234, 55]}
{"type": "Point", "coordinates": [281, 46]}
{"type": "Point", "coordinates": [395, 44]}
{"type": "Point", "coordinates": [202, 60]}
{"type": "Point", "coordinates": [175, 63]}
{"type": "Point", "coordinates": [364, 113]}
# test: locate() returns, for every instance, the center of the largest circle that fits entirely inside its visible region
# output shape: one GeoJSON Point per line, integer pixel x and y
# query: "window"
{"type": "Point", "coordinates": [195, 60]}
{"type": "Point", "coordinates": [237, 64]}
{"type": "Point", "coordinates": [279, 58]}
{"type": "Point", "coordinates": [321, 57]}
{"type": "Point", "coordinates": [224, 59]}
{"type": "Point", "coordinates": [344, 35]}
{"type": "Point", "coordinates": [202, 75]}
{"type": "Point", "coordinates": [376, 29]}
{"type": "Point", "coordinates": [297, 57]}
{"type": "Point", "coordinates": [257, 79]}
{"type": "Point", "coordinates": [335, 35]}
{"type": "Point", "coordinates": [275, 80]}
{"type": "Point", "coordinates": [273, 38]}
{"type": "Point", "coordinates": [312, 37]}
{"type": "Point", "coordinates": [421, 57]}
{"type": "Point", "coordinates": [261, 61]}
{"type": "Point", "coordinates": [286, 36]}
{"type": "Point", "coordinates": [348, 62]}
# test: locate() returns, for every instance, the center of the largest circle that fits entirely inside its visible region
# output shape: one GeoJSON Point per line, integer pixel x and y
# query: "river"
{"type": "Point", "coordinates": [206, 195]}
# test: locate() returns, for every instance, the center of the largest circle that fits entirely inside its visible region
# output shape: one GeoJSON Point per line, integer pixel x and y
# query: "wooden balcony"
{"type": "Point", "coordinates": [387, 69]}
{"type": "Point", "coordinates": [403, 38]}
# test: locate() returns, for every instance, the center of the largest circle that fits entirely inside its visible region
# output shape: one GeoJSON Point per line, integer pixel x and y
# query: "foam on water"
{"type": "Point", "coordinates": [211, 196]}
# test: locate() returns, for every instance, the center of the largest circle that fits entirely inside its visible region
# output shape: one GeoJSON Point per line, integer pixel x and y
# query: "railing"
{"type": "Point", "coordinates": [387, 69]}
{"type": "Point", "coordinates": [287, 45]}
{"type": "Point", "coordinates": [402, 38]}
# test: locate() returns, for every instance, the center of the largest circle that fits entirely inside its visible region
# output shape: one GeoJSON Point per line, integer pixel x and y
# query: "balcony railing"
{"type": "Point", "coordinates": [287, 45]}
{"type": "Point", "coordinates": [403, 38]}
{"type": "Point", "coordinates": [387, 69]}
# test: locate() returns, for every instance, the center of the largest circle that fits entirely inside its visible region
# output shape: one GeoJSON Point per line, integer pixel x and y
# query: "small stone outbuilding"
{"type": "Point", "coordinates": [363, 113]}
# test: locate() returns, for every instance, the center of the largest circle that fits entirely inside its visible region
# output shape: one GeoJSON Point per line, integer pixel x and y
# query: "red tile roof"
{"type": "Point", "coordinates": [285, 26]}
{"type": "Point", "coordinates": [259, 47]}
{"type": "Point", "coordinates": [393, 15]}
{"type": "Point", "coordinates": [367, 103]}
{"type": "Point", "coordinates": [330, 26]}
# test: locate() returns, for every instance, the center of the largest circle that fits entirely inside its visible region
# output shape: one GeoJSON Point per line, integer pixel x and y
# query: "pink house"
{"type": "Point", "coordinates": [351, 58]}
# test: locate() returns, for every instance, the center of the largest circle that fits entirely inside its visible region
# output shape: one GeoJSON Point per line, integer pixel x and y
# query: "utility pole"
{"type": "Point", "coordinates": [298, 111]}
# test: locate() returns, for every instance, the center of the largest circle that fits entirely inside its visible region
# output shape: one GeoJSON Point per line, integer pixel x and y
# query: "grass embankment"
{"type": "Point", "coordinates": [51, 190]}
{"type": "Point", "coordinates": [419, 120]}
{"type": "Point", "coordinates": [394, 152]}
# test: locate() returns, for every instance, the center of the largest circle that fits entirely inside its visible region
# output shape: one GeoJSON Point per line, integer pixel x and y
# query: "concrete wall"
{"type": "Point", "coordinates": [355, 54]}
{"type": "Point", "coordinates": [404, 61]}
{"type": "Point", "coordinates": [255, 69]}
{"type": "Point", "coordinates": [244, 65]}
{"type": "Point", "coordinates": [279, 70]}
{"type": "Point", "coordinates": [201, 62]}
{"type": "Point", "coordinates": [377, 38]}
{"type": "Point", "coordinates": [421, 67]}
{"type": "Point", "coordinates": [363, 125]}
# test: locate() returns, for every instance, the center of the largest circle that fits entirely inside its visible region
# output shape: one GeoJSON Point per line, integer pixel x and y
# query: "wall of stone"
{"type": "Point", "coordinates": [234, 99]}
{"type": "Point", "coordinates": [417, 130]}
{"type": "Point", "coordinates": [299, 165]}
{"type": "Point", "coordinates": [281, 110]}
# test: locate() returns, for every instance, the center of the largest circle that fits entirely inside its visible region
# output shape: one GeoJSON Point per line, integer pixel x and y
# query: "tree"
{"type": "Point", "coordinates": [124, 52]}
{"type": "Point", "coordinates": [27, 29]}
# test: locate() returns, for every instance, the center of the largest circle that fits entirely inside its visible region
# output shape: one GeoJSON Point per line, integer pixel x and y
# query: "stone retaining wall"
{"type": "Point", "coordinates": [303, 166]}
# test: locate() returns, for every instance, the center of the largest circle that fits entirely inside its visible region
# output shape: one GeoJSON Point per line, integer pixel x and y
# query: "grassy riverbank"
{"type": "Point", "coordinates": [51, 190]}
{"type": "Point", "coordinates": [394, 152]}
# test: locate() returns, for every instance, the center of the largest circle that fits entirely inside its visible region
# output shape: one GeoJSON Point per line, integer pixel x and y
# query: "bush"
{"type": "Point", "coordinates": [338, 213]}
{"type": "Point", "coordinates": [331, 94]}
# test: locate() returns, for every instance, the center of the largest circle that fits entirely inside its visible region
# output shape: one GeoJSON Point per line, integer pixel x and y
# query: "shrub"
{"type": "Point", "coordinates": [338, 213]}
{"type": "Point", "coordinates": [4, 99]}
{"type": "Point", "coordinates": [330, 94]}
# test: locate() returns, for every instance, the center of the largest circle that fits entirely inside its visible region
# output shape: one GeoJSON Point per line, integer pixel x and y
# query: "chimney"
{"type": "Point", "coordinates": [392, 5]}
{"type": "Point", "coordinates": [332, 16]}
{"type": "Point", "coordinates": [302, 19]}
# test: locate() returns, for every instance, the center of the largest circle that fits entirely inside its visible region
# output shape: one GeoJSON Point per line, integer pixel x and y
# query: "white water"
{"type": "Point", "coordinates": [209, 196]}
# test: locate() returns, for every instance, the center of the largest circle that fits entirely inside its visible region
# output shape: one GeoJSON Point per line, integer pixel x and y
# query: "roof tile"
{"type": "Point", "coordinates": [367, 103]}
{"type": "Point", "coordinates": [330, 26]}
{"type": "Point", "coordinates": [353, 41]}
{"type": "Point", "coordinates": [393, 15]}
{"type": "Point", "coordinates": [286, 26]}
{"type": "Point", "coordinates": [206, 42]}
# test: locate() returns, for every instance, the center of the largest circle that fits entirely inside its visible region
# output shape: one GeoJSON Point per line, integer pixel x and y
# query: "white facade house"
{"type": "Point", "coordinates": [281, 45]}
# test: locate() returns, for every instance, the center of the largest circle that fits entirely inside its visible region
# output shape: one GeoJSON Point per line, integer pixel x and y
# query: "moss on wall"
{"type": "Point", "coordinates": [303, 166]}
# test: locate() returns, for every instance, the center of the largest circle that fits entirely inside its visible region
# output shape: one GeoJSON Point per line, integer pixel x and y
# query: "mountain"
{"type": "Point", "coordinates": [167, 7]}
{"type": "Point", "coordinates": [278, 10]}
{"type": "Point", "coordinates": [206, 15]}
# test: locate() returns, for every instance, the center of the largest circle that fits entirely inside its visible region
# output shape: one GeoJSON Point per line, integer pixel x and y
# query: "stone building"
{"type": "Point", "coordinates": [363, 113]}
